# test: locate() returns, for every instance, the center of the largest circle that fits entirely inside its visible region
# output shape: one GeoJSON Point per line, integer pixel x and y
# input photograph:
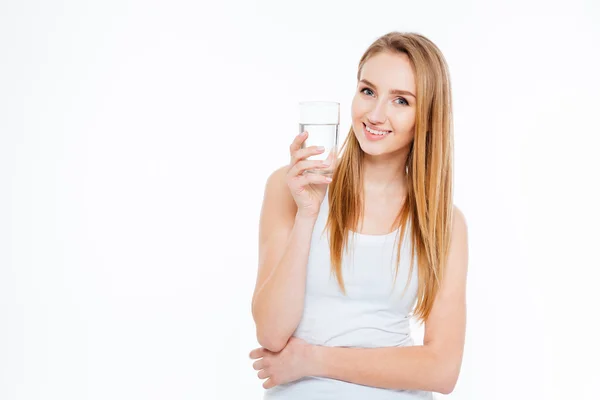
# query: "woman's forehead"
{"type": "Point", "coordinates": [389, 71]}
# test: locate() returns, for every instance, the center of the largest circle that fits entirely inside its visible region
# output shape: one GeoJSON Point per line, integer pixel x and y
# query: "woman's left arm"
{"type": "Point", "coordinates": [433, 366]}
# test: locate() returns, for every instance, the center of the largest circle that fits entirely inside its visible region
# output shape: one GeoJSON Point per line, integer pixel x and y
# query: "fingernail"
{"type": "Point", "coordinates": [320, 148]}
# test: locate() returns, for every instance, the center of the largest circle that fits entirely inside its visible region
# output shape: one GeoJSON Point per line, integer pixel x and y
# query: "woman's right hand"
{"type": "Point", "coordinates": [308, 189]}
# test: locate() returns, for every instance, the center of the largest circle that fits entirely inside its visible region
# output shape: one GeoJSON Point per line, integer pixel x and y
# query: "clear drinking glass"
{"type": "Point", "coordinates": [321, 119]}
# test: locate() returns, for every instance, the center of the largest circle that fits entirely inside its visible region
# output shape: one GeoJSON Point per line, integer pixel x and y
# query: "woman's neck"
{"type": "Point", "coordinates": [384, 177]}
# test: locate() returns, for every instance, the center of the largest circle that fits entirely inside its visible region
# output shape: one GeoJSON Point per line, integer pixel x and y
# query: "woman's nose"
{"type": "Point", "coordinates": [377, 114]}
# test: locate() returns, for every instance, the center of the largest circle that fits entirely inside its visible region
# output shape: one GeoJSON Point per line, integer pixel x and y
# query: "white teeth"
{"type": "Point", "coordinates": [376, 132]}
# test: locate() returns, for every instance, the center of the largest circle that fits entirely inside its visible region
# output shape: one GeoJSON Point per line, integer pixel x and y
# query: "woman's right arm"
{"type": "Point", "coordinates": [284, 243]}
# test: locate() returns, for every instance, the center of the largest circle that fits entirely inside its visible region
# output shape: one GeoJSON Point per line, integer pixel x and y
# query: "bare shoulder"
{"type": "Point", "coordinates": [459, 245]}
{"type": "Point", "coordinates": [459, 242]}
{"type": "Point", "coordinates": [277, 177]}
{"type": "Point", "coordinates": [277, 188]}
{"type": "Point", "coordinates": [278, 208]}
{"type": "Point", "coordinates": [459, 221]}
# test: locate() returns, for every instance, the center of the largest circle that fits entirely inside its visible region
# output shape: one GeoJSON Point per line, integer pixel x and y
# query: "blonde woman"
{"type": "Point", "coordinates": [345, 264]}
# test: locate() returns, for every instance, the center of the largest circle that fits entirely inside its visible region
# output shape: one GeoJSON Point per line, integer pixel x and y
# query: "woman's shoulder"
{"type": "Point", "coordinates": [278, 176]}
{"type": "Point", "coordinates": [458, 217]}
{"type": "Point", "coordinates": [277, 193]}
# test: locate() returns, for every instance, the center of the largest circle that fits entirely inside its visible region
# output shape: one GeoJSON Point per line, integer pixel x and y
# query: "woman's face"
{"type": "Point", "coordinates": [384, 101]}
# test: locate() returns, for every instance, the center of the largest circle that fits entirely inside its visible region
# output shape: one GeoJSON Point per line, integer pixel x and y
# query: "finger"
{"type": "Point", "coordinates": [268, 384]}
{"type": "Point", "coordinates": [308, 178]}
{"type": "Point", "coordinates": [299, 182]}
{"type": "Point", "coordinates": [297, 142]}
{"type": "Point", "coordinates": [263, 374]}
{"type": "Point", "coordinates": [257, 353]}
{"type": "Point", "coordinates": [305, 153]}
{"type": "Point", "coordinates": [331, 157]}
{"type": "Point", "coordinates": [303, 165]}
{"type": "Point", "coordinates": [260, 364]}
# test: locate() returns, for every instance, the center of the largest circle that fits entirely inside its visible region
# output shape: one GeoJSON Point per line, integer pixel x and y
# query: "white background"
{"type": "Point", "coordinates": [136, 138]}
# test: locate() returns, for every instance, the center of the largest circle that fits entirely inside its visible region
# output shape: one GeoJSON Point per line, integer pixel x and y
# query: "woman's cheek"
{"type": "Point", "coordinates": [354, 108]}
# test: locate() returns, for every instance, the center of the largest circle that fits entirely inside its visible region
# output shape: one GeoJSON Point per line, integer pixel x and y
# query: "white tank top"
{"type": "Point", "coordinates": [373, 314]}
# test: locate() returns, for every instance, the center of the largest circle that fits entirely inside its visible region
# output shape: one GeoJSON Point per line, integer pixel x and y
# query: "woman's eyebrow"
{"type": "Point", "coordinates": [393, 91]}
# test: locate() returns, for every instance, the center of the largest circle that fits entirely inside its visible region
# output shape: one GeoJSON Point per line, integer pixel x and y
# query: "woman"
{"type": "Point", "coordinates": [329, 317]}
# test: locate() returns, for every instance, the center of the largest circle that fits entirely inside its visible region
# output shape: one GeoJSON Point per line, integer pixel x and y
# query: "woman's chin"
{"type": "Point", "coordinates": [368, 150]}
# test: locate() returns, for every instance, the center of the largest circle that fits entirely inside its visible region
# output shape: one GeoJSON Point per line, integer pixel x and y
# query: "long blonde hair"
{"type": "Point", "coordinates": [429, 169]}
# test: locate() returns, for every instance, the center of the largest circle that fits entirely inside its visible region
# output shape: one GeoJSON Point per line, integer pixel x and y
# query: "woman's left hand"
{"type": "Point", "coordinates": [295, 361]}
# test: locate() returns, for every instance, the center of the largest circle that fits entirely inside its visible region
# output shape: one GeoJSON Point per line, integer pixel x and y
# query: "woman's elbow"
{"type": "Point", "coordinates": [271, 342]}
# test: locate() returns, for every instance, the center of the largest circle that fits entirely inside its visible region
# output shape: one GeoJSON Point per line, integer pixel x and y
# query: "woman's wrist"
{"type": "Point", "coordinates": [305, 218]}
{"type": "Point", "coordinates": [315, 360]}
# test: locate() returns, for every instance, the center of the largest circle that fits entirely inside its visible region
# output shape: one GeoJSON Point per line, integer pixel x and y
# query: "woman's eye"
{"type": "Point", "coordinates": [369, 92]}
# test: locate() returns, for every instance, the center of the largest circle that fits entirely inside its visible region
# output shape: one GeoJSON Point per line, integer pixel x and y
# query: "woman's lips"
{"type": "Point", "coordinates": [371, 136]}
